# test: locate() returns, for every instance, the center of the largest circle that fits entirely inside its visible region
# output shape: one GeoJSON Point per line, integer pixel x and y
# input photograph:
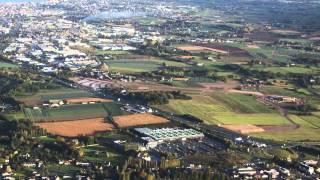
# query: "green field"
{"type": "Point", "coordinates": [215, 112]}
{"type": "Point", "coordinates": [276, 90]}
{"type": "Point", "coordinates": [134, 66]}
{"type": "Point", "coordinates": [256, 119]}
{"type": "Point", "coordinates": [150, 20]}
{"type": "Point", "coordinates": [314, 121]}
{"type": "Point", "coordinates": [7, 65]}
{"type": "Point", "coordinates": [306, 132]}
{"type": "Point", "coordinates": [285, 70]}
{"type": "Point", "coordinates": [109, 52]}
{"type": "Point", "coordinates": [45, 95]}
{"type": "Point", "coordinates": [55, 169]}
{"type": "Point", "coordinates": [73, 112]}
{"type": "Point", "coordinates": [242, 103]}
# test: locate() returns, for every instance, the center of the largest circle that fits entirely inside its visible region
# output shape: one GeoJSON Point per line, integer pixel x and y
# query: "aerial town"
{"type": "Point", "coordinates": [105, 89]}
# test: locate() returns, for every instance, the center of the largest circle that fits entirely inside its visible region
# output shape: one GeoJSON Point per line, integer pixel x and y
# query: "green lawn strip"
{"type": "Point", "coordinates": [7, 65]}
{"type": "Point", "coordinates": [300, 134]}
{"type": "Point", "coordinates": [109, 52]}
{"type": "Point", "coordinates": [255, 119]}
{"type": "Point", "coordinates": [62, 169]}
{"type": "Point", "coordinates": [285, 70]}
{"type": "Point", "coordinates": [313, 120]}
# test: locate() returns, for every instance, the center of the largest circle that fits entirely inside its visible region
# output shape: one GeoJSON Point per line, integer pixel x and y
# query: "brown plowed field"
{"type": "Point", "coordinates": [77, 127]}
{"type": "Point", "coordinates": [138, 120]}
{"type": "Point", "coordinates": [85, 100]}
{"type": "Point", "coordinates": [230, 50]}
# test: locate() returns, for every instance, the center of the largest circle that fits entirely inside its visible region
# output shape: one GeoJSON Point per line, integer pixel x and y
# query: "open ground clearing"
{"type": "Point", "coordinates": [45, 95]}
{"type": "Point", "coordinates": [285, 32]}
{"type": "Point", "coordinates": [200, 48]}
{"type": "Point", "coordinates": [76, 128]}
{"type": "Point", "coordinates": [229, 109]}
{"type": "Point", "coordinates": [138, 120]}
{"type": "Point", "coordinates": [140, 65]}
{"type": "Point", "coordinates": [306, 132]}
{"type": "Point", "coordinates": [230, 53]}
{"type": "Point", "coordinates": [253, 46]}
{"type": "Point", "coordinates": [192, 86]}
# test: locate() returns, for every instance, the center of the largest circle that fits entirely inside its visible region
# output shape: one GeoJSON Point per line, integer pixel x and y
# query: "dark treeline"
{"type": "Point", "coordinates": [165, 169]}
{"type": "Point", "coordinates": [149, 98]}
{"type": "Point", "coordinates": [14, 82]}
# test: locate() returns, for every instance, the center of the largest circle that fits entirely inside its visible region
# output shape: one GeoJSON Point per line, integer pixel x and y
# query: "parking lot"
{"type": "Point", "coordinates": [190, 146]}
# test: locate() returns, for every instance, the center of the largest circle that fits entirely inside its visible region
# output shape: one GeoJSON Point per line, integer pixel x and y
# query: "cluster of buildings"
{"type": "Point", "coordinates": [283, 99]}
{"type": "Point", "coordinates": [308, 168]}
{"type": "Point", "coordinates": [153, 137]}
{"type": "Point", "coordinates": [137, 109]}
{"type": "Point", "coordinates": [250, 172]}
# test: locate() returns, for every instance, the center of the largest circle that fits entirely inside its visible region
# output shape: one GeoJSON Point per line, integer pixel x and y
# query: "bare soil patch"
{"type": "Point", "coordinates": [230, 50]}
{"type": "Point", "coordinates": [253, 46]}
{"type": "Point", "coordinates": [138, 120]}
{"type": "Point", "coordinates": [244, 129]}
{"type": "Point", "coordinates": [201, 48]}
{"type": "Point", "coordinates": [258, 94]}
{"type": "Point", "coordinates": [77, 127]}
{"type": "Point", "coordinates": [275, 128]}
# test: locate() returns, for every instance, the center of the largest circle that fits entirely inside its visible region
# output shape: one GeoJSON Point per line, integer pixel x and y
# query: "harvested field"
{"type": "Point", "coordinates": [76, 128]}
{"type": "Point", "coordinates": [285, 32]}
{"type": "Point", "coordinates": [226, 86]}
{"type": "Point", "coordinates": [201, 48]}
{"type": "Point", "coordinates": [183, 57]}
{"type": "Point", "coordinates": [262, 37]}
{"type": "Point", "coordinates": [253, 46]}
{"type": "Point", "coordinates": [138, 120]}
{"type": "Point", "coordinates": [85, 100]}
{"type": "Point", "coordinates": [254, 93]}
{"type": "Point", "coordinates": [244, 129]}
{"type": "Point", "coordinates": [316, 38]}
{"type": "Point", "coordinates": [230, 50]}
